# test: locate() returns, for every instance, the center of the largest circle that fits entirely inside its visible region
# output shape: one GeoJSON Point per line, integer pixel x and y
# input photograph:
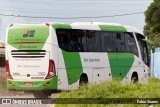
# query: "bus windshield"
{"type": "Point", "coordinates": [143, 48]}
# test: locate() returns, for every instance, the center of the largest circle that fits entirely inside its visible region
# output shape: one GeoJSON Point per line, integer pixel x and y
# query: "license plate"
{"type": "Point", "coordinates": [28, 84]}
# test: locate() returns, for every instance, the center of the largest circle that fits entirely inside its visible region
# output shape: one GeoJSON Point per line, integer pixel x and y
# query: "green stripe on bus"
{"type": "Point", "coordinates": [120, 63]}
{"type": "Point", "coordinates": [73, 66]}
{"type": "Point", "coordinates": [71, 59]}
{"type": "Point", "coordinates": [61, 26]}
{"type": "Point", "coordinates": [112, 28]}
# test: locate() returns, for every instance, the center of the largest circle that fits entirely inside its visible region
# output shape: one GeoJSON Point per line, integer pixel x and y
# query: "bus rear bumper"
{"type": "Point", "coordinates": [48, 84]}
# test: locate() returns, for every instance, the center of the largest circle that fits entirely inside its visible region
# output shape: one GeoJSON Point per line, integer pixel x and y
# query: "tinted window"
{"type": "Point", "coordinates": [131, 44]}
{"type": "Point", "coordinates": [96, 41]}
{"type": "Point", "coordinates": [143, 47]}
{"type": "Point", "coordinates": [118, 42]}
{"type": "Point", "coordinates": [106, 41]}
{"type": "Point", "coordinates": [71, 40]}
{"type": "Point", "coordinates": [93, 42]}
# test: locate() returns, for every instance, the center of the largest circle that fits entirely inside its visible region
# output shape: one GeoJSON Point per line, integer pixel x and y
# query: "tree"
{"type": "Point", "coordinates": [152, 19]}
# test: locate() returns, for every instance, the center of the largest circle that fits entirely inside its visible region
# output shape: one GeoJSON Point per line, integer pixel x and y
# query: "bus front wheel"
{"type": "Point", "coordinates": [83, 79]}
{"type": "Point", "coordinates": [134, 78]}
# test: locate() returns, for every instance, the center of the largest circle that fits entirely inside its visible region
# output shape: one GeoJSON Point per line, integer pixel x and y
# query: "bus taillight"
{"type": "Point", "coordinates": [51, 70]}
{"type": "Point", "coordinates": [8, 70]}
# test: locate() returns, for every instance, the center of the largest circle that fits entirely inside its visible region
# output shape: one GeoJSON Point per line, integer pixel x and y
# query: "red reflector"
{"type": "Point", "coordinates": [47, 82]}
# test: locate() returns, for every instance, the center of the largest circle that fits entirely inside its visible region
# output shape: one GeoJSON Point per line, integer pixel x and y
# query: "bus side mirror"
{"type": "Point", "coordinates": [151, 44]}
{"type": "Point", "coordinates": [153, 50]}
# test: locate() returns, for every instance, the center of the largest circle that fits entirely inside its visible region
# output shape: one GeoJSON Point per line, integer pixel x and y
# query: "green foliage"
{"type": "Point", "coordinates": [113, 89]}
{"type": "Point", "coordinates": [152, 27]}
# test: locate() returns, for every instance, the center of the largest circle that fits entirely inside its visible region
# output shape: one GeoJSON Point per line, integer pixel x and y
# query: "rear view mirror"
{"type": "Point", "coordinates": [153, 50]}
{"type": "Point", "coordinates": [151, 44]}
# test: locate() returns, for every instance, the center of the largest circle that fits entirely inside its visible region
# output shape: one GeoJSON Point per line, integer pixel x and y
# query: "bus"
{"type": "Point", "coordinates": [63, 56]}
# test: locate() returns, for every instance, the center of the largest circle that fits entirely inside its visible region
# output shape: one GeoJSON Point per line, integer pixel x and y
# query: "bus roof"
{"type": "Point", "coordinates": [128, 28]}
{"type": "Point", "coordinates": [100, 26]}
{"type": "Point", "coordinates": [90, 26]}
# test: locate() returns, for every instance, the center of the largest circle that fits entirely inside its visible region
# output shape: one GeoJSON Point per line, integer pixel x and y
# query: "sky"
{"type": "Point", "coordinates": [70, 9]}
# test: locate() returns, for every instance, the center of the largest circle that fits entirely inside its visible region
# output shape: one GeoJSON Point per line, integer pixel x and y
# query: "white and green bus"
{"type": "Point", "coordinates": [63, 56]}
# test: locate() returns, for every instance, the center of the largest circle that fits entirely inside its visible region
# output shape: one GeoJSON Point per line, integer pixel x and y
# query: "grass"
{"type": "Point", "coordinates": [113, 89]}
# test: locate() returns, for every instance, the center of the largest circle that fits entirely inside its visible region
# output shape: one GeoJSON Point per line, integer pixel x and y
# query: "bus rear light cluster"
{"type": "Point", "coordinates": [47, 83]}
{"type": "Point", "coordinates": [51, 70]}
{"type": "Point", "coordinates": [10, 82]}
{"type": "Point", "coordinates": [8, 70]}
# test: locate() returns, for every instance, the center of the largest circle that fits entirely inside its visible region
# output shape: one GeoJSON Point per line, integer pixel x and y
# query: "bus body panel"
{"type": "Point", "coordinates": [98, 64]}
{"type": "Point", "coordinates": [31, 68]}
{"type": "Point", "coordinates": [128, 63]}
{"type": "Point", "coordinates": [37, 85]}
{"type": "Point", "coordinates": [138, 66]}
{"type": "Point", "coordinates": [62, 74]}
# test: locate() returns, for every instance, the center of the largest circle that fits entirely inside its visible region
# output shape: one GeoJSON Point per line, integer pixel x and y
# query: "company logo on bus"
{"type": "Point", "coordinates": [28, 33]}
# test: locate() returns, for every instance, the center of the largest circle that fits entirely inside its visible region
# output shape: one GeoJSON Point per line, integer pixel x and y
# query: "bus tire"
{"type": "Point", "coordinates": [134, 78]}
{"type": "Point", "coordinates": [83, 79]}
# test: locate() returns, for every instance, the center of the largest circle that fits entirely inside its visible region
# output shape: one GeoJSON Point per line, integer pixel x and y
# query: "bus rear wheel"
{"type": "Point", "coordinates": [83, 79]}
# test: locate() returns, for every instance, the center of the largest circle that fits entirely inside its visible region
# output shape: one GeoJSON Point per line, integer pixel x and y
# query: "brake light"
{"type": "Point", "coordinates": [8, 70]}
{"type": "Point", "coordinates": [51, 70]}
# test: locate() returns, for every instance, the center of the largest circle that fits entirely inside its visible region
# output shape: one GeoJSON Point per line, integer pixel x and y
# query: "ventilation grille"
{"type": "Point", "coordinates": [28, 53]}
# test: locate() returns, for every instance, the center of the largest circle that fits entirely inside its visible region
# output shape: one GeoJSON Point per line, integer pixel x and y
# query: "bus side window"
{"type": "Point", "coordinates": [131, 44]}
{"type": "Point", "coordinates": [62, 39]}
{"type": "Point", "coordinates": [143, 48]}
{"type": "Point", "coordinates": [93, 44]}
{"type": "Point", "coordinates": [71, 40]}
{"type": "Point", "coordinates": [118, 41]}
{"type": "Point", "coordinates": [84, 43]}
{"type": "Point", "coordinates": [106, 41]}
{"type": "Point", "coordinates": [62, 43]}
{"type": "Point", "coordinates": [77, 43]}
